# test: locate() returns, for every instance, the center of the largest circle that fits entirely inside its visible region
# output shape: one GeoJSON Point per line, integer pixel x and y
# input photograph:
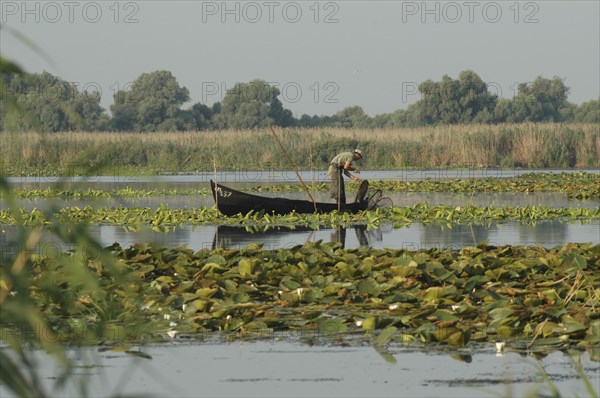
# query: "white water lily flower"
{"type": "Point", "coordinates": [299, 291]}
{"type": "Point", "coordinates": [500, 346]}
{"type": "Point", "coordinates": [359, 322]}
{"type": "Point", "coordinates": [172, 324]}
{"type": "Point", "coordinates": [228, 317]}
{"type": "Point", "coordinates": [393, 306]}
{"type": "Point", "coordinates": [455, 307]}
{"type": "Point", "coordinates": [167, 317]}
{"type": "Point", "coordinates": [172, 333]}
{"type": "Point", "coordinates": [183, 307]}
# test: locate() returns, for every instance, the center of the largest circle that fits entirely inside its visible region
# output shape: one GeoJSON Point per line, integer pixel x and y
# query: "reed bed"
{"type": "Point", "coordinates": [480, 146]}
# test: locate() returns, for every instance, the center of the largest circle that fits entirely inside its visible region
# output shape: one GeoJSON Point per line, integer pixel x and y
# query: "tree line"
{"type": "Point", "coordinates": [154, 102]}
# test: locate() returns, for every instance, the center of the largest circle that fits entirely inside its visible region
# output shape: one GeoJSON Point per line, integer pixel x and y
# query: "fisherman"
{"type": "Point", "coordinates": [342, 164]}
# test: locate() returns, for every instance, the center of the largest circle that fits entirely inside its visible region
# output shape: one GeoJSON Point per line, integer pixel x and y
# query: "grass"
{"type": "Point", "coordinates": [474, 146]}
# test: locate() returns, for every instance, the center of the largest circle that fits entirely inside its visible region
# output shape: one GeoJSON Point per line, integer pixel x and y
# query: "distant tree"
{"type": "Point", "coordinates": [52, 104]}
{"type": "Point", "coordinates": [503, 111]}
{"type": "Point", "coordinates": [588, 112]}
{"type": "Point", "coordinates": [381, 120]}
{"type": "Point", "coordinates": [352, 117]}
{"type": "Point", "coordinates": [153, 103]}
{"type": "Point", "coordinates": [202, 116]}
{"type": "Point", "coordinates": [540, 101]}
{"type": "Point", "coordinates": [450, 101]}
{"type": "Point", "coordinates": [252, 105]}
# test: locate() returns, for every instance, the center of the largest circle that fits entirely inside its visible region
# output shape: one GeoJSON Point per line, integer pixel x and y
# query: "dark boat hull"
{"type": "Point", "coordinates": [231, 202]}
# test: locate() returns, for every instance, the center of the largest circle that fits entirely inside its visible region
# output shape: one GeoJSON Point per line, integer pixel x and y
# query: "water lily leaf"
{"type": "Point", "coordinates": [206, 292]}
{"type": "Point", "coordinates": [433, 294]}
{"type": "Point", "coordinates": [475, 281]}
{"type": "Point", "coordinates": [195, 306]}
{"type": "Point", "coordinates": [240, 297]}
{"type": "Point", "coordinates": [266, 332]}
{"type": "Point", "coordinates": [370, 323]}
{"type": "Point", "coordinates": [251, 249]}
{"type": "Point", "coordinates": [330, 326]}
{"type": "Point", "coordinates": [164, 279]}
{"type": "Point", "coordinates": [233, 324]}
{"type": "Point", "coordinates": [290, 284]}
{"type": "Point", "coordinates": [211, 267]}
{"type": "Point", "coordinates": [312, 295]}
{"type": "Point", "coordinates": [570, 327]}
{"type": "Point", "coordinates": [216, 259]}
{"type": "Point", "coordinates": [369, 286]}
{"type": "Point", "coordinates": [575, 260]}
{"type": "Point", "coordinates": [245, 267]}
{"type": "Point", "coordinates": [445, 315]}
{"type": "Point", "coordinates": [498, 314]}
{"type": "Point", "coordinates": [146, 268]}
{"type": "Point", "coordinates": [345, 268]}
{"type": "Point", "coordinates": [459, 338]}
{"type": "Point", "coordinates": [385, 336]}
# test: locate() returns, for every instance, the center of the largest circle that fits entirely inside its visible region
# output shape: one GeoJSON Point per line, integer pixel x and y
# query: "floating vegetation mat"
{"type": "Point", "coordinates": [530, 298]}
{"type": "Point", "coordinates": [164, 217]}
{"type": "Point", "coordinates": [575, 185]}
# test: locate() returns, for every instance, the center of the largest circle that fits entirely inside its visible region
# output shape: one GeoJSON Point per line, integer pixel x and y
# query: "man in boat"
{"type": "Point", "coordinates": [342, 164]}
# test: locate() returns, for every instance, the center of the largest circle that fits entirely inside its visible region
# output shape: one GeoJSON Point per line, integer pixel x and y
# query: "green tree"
{"type": "Point", "coordinates": [543, 100]}
{"type": "Point", "coordinates": [352, 117]}
{"type": "Point", "coordinates": [252, 105]}
{"type": "Point", "coordinates": [450, 101]}
{"type": "Point", "coordinates": [202, 116]}
{"type": "Point", "coordinates": [588, 112]}
{"type": "Point", "coordinates": [152, 104]}
{"type": "Point", "coordinates": [50, 104]}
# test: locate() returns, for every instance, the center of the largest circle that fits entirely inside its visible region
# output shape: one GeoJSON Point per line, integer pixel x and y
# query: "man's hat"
{"type": "Point", "coordinates": [359, 152]}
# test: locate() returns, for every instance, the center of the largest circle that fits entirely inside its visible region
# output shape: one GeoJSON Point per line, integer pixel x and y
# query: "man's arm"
{"type": "Point", "coordinates": [347, 168]}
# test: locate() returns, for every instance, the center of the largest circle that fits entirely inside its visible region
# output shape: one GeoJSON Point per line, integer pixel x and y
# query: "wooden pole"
{"type": "Point", "coordinates": [293, 167]}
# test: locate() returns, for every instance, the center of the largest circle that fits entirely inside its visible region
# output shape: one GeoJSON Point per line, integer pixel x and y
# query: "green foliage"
{"type": "Point", "coordinates": [588, 112]}
{"type": "Point", "coordinates": [542, 100]}
{"type": "Point", "coordinates": [465, 100]}
{"type": "Point", "coordinates": [252, 105]}
{"type": "Point", "coordinates": [152, 104]}
{"type": "Point", "coordinates": [47, 103]}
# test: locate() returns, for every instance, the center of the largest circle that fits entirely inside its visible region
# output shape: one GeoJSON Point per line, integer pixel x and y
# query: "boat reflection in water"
{"type": "Point", "coordinates": [276, 237]}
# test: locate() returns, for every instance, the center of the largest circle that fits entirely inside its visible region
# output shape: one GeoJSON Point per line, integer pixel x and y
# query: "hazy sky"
{"type": "Point", "coordinates": [323, 56]}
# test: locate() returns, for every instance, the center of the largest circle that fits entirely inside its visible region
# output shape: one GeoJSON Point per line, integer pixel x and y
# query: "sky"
{"type": "Point", "coordinates": [322, 55]}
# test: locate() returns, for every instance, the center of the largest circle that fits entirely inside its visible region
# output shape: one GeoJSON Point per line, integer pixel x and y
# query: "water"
{"type": "Point", "coordinates": [314, 369]}
{"type": "Point", "coordinates": [479, 199]}
{"type": "Point", "coordinates": [287, 366]}
{"type": "Point", "coordinates": [416, 236]}
{"type": "Point", "coordinates": [132, 178]}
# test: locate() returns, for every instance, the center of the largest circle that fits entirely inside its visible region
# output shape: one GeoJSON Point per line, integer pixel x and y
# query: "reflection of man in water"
{"type": "Point", "coordinates": [342, 164]}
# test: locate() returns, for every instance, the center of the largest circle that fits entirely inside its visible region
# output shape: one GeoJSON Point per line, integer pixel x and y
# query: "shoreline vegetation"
{"type": "Point", "coordinates": [543, 145]}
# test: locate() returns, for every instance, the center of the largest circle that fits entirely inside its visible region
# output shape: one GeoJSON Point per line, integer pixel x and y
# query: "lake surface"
{"type": "Point", "coordinates": [415, 236]}
{"type": "Point", "coordinates": [241, 176]}
{"type": "Point", "coordinates": [316, 368]}
{"type": "Point", "coordinates": [480, 199]}
{"type": "Point", "coordinates": [289, 365]}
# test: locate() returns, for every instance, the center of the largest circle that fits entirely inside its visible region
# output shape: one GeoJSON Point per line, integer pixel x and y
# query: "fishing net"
{"type": "Point", "coordinates": [362, 191]}
{"type": "Point", "coordinates": [377, 201]}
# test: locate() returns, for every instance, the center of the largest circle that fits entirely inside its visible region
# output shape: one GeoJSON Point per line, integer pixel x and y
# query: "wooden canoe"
{"type": "Point", "coordinates": [231, 202]}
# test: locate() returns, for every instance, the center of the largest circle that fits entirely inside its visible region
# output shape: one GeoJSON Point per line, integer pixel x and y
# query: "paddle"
{"type": "Point", "coordinates": [293, 167]}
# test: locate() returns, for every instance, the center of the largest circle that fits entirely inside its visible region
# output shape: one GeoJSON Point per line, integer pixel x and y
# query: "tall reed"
{"type": "Point", "coordinates": [508, 145]}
